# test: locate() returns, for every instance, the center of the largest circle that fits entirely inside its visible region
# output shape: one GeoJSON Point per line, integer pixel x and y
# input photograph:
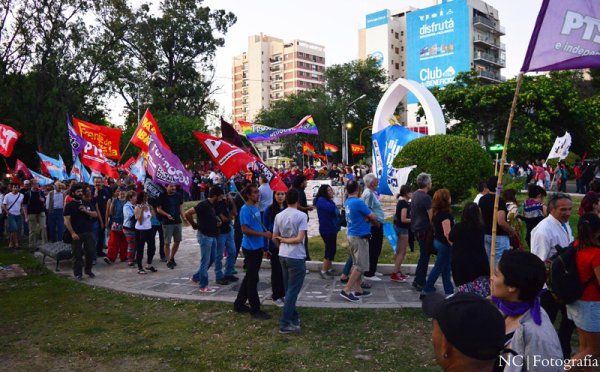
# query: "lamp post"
{"type": "Point", "coordinates": [345, 131]}
{"type": "Point", "coordinates": [361, 132]}
{"type": "Point", "coordinates": [137, 87]}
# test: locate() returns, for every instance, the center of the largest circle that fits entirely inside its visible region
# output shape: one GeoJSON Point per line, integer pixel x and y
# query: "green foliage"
{"type": "Point", "coordinates": [454, 162]}
{"type": "Point", "coordinates": [516, 183]}
{"type": "Point", "coordinates": [328, 104]}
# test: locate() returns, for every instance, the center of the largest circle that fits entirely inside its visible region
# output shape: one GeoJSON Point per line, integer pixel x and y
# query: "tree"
{"type": "Point", "coordinates": [328, 104]}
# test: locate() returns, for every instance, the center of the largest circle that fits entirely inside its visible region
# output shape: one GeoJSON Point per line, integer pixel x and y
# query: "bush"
{"type": "Point", "coordinates": [456, 163]}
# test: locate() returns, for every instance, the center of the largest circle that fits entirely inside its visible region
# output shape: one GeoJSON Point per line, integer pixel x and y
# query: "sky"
{"type": "Point", "coordinates": [335, 24]}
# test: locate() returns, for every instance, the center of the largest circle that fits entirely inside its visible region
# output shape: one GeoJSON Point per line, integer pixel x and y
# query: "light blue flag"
{"type": "Point", "coordinates": [64, 167]}
{"type": "Point", "coordinates": [138, 170]}
{"type": "Point", "coordinates": [390, 234]}
{"type": "Point", "coordinates": [55, 167]}
{"type": "Point", "coordinates": [42, 180]}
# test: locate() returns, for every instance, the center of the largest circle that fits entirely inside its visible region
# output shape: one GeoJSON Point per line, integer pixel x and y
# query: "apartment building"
{"type": "Point", "coordinates": [433, 44]}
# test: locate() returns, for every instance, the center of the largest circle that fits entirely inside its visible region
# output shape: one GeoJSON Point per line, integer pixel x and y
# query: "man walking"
{"type": "Point", "coordinates": [420, 224]}
{"type": "Point", "coordinates": [35, 205]}
{"type": "Point", "coordinates": [208, 230]}
{"type": "Point", "coordinates": [376, 239]}
{"type": "Point", "coordinates": [101, 197]}
{"type": "Point", "coordinates": [55, 205]}
{"type": "Point", "coordinates": [253, 245]}
{"type": "Point", "coordinates": [12, 204]}
{"type": "Point", "coordinates": [359, 218]}
{"type": "Point", "coordinates": [78, 221]}
{"type": "Point", "coordinates": [170, 207]}
{"type": "Point", "coordinates": [289, 230]}
{"type": "Point", "coordinates": [551, 231]}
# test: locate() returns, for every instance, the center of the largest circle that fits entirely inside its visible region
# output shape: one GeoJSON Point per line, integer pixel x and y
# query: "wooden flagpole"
{"type": "Point", "coordinates": [501, 173]}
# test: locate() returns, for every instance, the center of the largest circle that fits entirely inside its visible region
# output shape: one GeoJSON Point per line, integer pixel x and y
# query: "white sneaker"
{"type": "Point", "coordinates": [377, 273]}
{"type": "Point", "coordinates": [279, 302]}
{"type": "Point", "coordinates": [373, 278]}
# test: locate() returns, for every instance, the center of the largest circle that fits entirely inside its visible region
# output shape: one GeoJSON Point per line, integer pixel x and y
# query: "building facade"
{"type": "Point", "coordinates": [433, 44]}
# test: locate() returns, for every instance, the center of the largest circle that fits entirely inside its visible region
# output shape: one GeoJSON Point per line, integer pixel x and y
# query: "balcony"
{"type": "Point", "coordinates": [488, 25]}
{"type": "Point", "coordinates": [275, 68]}
{"type": "Point", "coordinates": [491, 76]}
{"type": "Point", "coordinates": [486, 41]}
{"type": "Point", "coordinates": [489, 59]}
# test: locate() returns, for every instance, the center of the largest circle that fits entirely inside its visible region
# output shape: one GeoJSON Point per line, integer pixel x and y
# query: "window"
{"type": "Point", "coordinates": [402, 49]}
{"type": "Point", "coordinates": [401, 33]}
{"type": "Point", "coordinates": [396, 36]}
{"type": "Point", "coordinates": [398, 66]}
{"type": "Point", "coordinates": [397, 50]}
{"type": "Point", "coordinates": [402, 63]}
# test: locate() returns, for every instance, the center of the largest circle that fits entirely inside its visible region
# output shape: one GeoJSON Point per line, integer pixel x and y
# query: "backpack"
{"type": "Point", "coordinates": [562, 277]}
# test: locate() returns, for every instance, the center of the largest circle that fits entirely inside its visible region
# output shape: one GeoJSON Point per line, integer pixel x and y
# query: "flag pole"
{"type": "Point", "coordinates": [501, 172]}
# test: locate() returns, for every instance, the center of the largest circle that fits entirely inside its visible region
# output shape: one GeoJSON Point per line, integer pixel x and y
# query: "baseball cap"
{"type": "Point", "coordinates": [469, 322]}
{"type": "Point", "coordinates": [27, 182]}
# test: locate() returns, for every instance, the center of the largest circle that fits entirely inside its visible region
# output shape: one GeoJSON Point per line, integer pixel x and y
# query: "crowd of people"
{"type": "Point", "coordinates": [243, 216]}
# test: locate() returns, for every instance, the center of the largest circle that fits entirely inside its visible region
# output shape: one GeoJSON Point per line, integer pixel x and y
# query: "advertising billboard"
{"type": "Point", "coordinates": [438, 44]}
{"type": "Point", "coordinates": [377, 19]}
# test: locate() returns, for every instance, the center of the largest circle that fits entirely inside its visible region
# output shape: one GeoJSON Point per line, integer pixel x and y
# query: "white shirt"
{"type": "Point", "coordinates": [146, 223]}
{"type": "Point", "coordinates": [288, 223]}
{"type": "Point", "coordinates": [14, 201]}
{"type": "Point", "coordinates": [547, 234]}
{"type": "Point", "coordinates": [477, 197]}
{"type": "Point", "coordinates": [59, 200]}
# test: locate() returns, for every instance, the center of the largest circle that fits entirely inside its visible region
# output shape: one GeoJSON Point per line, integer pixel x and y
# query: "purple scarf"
{"type": "Point", "coordinates": [519, 308]}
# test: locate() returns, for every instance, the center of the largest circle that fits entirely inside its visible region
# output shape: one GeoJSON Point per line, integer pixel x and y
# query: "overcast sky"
{"type": "Point", "coordinates": [334, 24]}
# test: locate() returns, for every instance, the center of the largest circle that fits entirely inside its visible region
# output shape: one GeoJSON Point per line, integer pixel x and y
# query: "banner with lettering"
{"type": "Point", "coordinates": [141, 136]}
{"type": "Point", "coordinates": [8, 138]}
{"type": "Point", "coordinates": [262, 133]}
{"type": "Point", "coordinates": [164, 167]}
{"type": "Point", "coordinates": [105, 138]}
{"type": "Point", "coordinates": [566, 36]}
{"type": "Point", "coordinates": [357, 149]}
{"type": "Point", "coordinates": [230, 159]}
{"type": "Point", "coordinates": [93, 157]}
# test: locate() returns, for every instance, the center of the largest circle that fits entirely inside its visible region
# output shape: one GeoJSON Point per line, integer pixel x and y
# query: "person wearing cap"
{"type": "Point", "coordinates": [468, 331]}
{"type": "Point", "coordinates": [516, 285]}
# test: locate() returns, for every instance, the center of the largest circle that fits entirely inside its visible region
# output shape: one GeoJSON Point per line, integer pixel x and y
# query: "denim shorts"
{"type": "Point", "coordinates": [14, 222]}
{"type": "Point", "coordinates": [400, 230]}
{"type": "Point", "coordinates": [585, 315]}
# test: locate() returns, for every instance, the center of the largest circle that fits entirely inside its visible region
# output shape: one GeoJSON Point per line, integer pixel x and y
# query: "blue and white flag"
{"type": "Point", "coordinates": [138, 170]}
{"type": "Point", "coordinates": [42, 180]}
{"type": "Point", "coordinates": [390, 234]}
{"type": "Point", "coordinates": [387, 143]}
{"type": "Point", "coordinates": [77, 171]}
{"type": "Point", "coordinates": [55, 167]}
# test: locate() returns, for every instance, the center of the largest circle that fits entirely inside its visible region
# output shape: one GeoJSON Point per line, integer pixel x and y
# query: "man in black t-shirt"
{"type": "Point", "coordinates": [504, 230]}
{"type": "Point", "coordinates": [207, 224]}
{"type": "Point", "coordinates": [226, 210]}
{"type": "Point", "coordinates": [78, 222]}
{"type": "Point", "coordinates": [101, 195]}
{"type": "Point", "coordinates": [170, 209]}
{"type": "Point", "coordinates": [35, 204]}
{"type": "Point", "coordinates": [334, 174]}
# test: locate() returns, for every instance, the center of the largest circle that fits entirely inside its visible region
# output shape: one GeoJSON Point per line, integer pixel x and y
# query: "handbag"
{"type": "Point", "coordinates": [67, 238]}
{"type": "Point", "coordinates": [343, 222]}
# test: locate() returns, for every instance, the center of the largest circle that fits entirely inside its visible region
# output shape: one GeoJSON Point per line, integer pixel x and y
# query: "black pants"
{"type": "Point", "coordinates": [375, 243]}
{"type": "Point", "coordinates": [86, 244]}
{"type": "Point", "coordinates": [566, 328]}
{"type": "Point", "coordinates": [161, 240]}
{"type": "Point", "coordinates": [100, 242]}
{"type": "Point", "coordinates": [248, 291]}
{"type": "Point", "coordinates": [276, 275]}
{"type": "Point", "coordinates": [144, 237]}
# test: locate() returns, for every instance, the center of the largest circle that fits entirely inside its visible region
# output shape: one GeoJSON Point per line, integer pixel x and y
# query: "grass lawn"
{"type": "Point", "coordinates": [54, 323]}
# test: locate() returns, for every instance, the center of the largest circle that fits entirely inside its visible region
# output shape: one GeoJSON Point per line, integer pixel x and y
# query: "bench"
{"type": "Point", "coordinates": [57, 250]}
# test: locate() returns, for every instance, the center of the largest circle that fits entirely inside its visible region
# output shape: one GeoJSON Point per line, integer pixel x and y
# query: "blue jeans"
{"type": "Point", "coordinates": [294, 271]}
{"type": "Point", "coordinates": [347, 266]}
{"type": "Point", "coordinates": [208, 247]}
{"type": "Point", "coordinates": [440, 267]}
{"type": "Point", "coordinates": [423, 263]}
{"type": "Point", "coordinates": [55, 225]}
{"type": "Point", "coordinates": [225, 242]}
{"type": "Point", "coordinates": [502, 244]}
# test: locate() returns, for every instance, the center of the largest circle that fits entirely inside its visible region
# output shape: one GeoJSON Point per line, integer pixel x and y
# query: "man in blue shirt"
{"type": "Point", "coordinates": [359, 218]}
{"type": "Point", "coordinates": [253, 244]}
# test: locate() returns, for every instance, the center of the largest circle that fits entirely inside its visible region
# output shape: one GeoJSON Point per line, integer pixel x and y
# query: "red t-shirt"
{"type": "Point", "coordinates": [587, 260]}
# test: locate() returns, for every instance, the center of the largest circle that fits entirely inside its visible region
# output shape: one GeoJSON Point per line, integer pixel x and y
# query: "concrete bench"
{"type": "Point", "coordinates": [57, 250]}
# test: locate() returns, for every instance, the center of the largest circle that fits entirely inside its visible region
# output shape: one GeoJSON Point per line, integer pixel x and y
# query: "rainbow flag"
{"type": "Point", "coordinates": [262, 133]}
{"type": "Point", "coordinates": [307, 149]}
{"type": "Point", "coordinates": [329, 148]}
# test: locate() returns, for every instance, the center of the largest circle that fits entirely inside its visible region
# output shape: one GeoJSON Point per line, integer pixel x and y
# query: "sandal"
{"type": "Point", "coordinates": [151, 268]}
{"type": "Point", "coordinates": [142, 272]}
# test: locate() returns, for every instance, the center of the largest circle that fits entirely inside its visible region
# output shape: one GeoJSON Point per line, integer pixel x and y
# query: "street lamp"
{"type": "Point", "coordinates": [345, 131]}
{"type": "Point", "coordinates": [361, 132]}
{"type": "Point", "coordinates": [137, 87]}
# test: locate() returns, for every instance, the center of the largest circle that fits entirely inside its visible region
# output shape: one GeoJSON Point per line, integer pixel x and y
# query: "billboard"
{"type": "Point", "coordinates": [377, 19]}
{"type": "Point", "coordinates": [438, 44]}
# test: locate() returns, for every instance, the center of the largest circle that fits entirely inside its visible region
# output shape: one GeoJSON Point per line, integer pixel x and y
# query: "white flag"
{"type": "Point", "coordinates": [561, 146]}
{"type": "Point", "coordinates": [398, 177]}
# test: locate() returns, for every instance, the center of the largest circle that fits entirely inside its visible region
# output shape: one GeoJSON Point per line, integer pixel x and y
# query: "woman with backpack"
{"type": "Point", "coordinates": [129, 226]}
{"type": "Point", "coordinates": [585, 312]}
{"type": "Point", "coordinates": [117, 244]}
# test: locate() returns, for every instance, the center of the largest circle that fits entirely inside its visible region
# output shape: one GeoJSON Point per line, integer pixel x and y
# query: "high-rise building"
{"type": "Point", "coordinates": [272, 69]}
{"type": "Point", "coordinates": [433, 44]}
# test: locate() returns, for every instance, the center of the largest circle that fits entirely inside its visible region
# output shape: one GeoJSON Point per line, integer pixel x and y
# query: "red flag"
{"type": "Point", "coordinates": [93, 157]}
{"type": "Point", "coordinates": [127, 164]}
{"type": "Point", "coordinates": [107, 139]}
{"type": "Point", "coordinates": [13, 175]}
{"type": "Point", "coordinates": [8, 138]}
{"type": "Point", "coordinates": [308, 149]}
{"type": "Point", "coordinates": [229, 158]}
{"type": "Point", "coordinates": [357, 149]}
{"type": "Point", "coordinates": [141, 136]}
{"type": "Point", "coordinates": [321, 157]}
{"type": "Point", "coordinates": [20, 166]}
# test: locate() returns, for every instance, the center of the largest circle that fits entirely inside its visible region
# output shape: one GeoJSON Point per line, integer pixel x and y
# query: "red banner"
{"type": "Point", "coordinates": [8, 138]}
{"type": "Point", "coordinates": [93, 157]}
{"type": "Point", "coordinates": [20, 166]}
{"type": "Point", "coordinates": [357, 149]}
{"type": "Point", "coordinates": [229, 158]}
{"type": "Point", "coordinates": [141, 136]}
{"type": "Point", "coordinates": [107, 139]}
